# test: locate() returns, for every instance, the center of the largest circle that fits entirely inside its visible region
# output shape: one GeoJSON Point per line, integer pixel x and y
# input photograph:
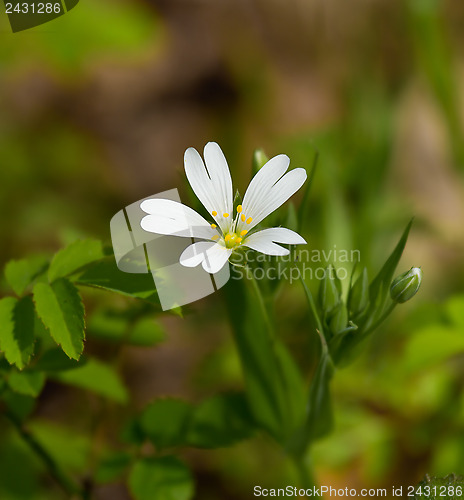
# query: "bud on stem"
{"type": "Point", "coordinates": [406, 285]}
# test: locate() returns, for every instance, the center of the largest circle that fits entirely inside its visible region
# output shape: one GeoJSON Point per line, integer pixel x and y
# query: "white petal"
{"type": "Point", "coordinates": [219, 172]}
{"type": "Point", "coordinates": [263, 241]}
{"type": "Point", "coordinates": [172, 218]}
{"type": "Point", "coordinates": [211, 184]}
{"type": "Point", "coordinates": [264, 179]}
{"type": "Point", "coordinates": [212, 256]}
{"type": "Point", "coordinates": [268, 190]}
{"type": "Point", "coordinates": [194, 254]}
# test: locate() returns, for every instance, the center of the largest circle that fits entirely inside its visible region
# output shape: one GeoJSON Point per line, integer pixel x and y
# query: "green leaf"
{"type": "Point", "coordinates": [266, 376]}
{"type": "Point", "coordinates": [74, 257]}
{"type": "Point", "coordinates": [107, 325]}
{"type": "Point", "coordinates": [379, 289]}
{"type": "Point", "coordinates": [21, 273]}
{"type": "Point", "coordinates": [27, 383]}
{"type": "Point", "coordinates": [430, 346]}
{"type": "Point", "coordinates": [319, 419]}
{"type": "Point", "coordinates": [455, 310]}
{"type": "Point", "coordinates": [67, 446]}
{"type": "Point", "coordinates": [105, 274]}
{"type": "Point", "coordinates": [97, 377]}
{"type": "Point", "coordinates": [165, 422]}
{"type": "Point", "coordinates": [17, 325]}
{"type": "Point", "coordinates": [450, 487]}
{"type": "Point", "coordinates": [304, 205]}
{"type": "Point", "coordinates": [221, 421]}
{"type": "Point", "coordinates": [162, 479]}
{"type": "Point", "coordinates": [112, 467]}
{"type": "Point", "coordinates": [60, 308]}
{"type": "Point", "coordinates": [146, 332]}
{"type": "Point", "coordinates": [56, 360]}
{"type": "Point", "coordinates": [20, 405]}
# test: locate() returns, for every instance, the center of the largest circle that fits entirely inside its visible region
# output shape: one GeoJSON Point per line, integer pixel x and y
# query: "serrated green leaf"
{"type": "Point", "coordinates": [21, 273]}
{"type": "Point", "coordinates": [164, 478]}
{"type": "Point", "coordinates": [17, 324]}
{"type": "Point", "coordinates": [27, 383]}
{"type": "Point", "coordinates": [221, 421]}
{"type": "Point", "coordinates": [60, 308]}
{"type": "Point", "coordinates": [165, 422]}
{"type": "Point", "coordinates": [97, 377]}
{"type": "Point", "coordinates": [74, 257]}
{"type": "Point", "coordinates": [450, 487]}
{"type": "Point", "coordinates": [105, 274]}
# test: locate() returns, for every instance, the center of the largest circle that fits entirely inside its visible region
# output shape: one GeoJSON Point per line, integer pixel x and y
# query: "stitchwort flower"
{"type": "Point", "coordinates": [231, 227]}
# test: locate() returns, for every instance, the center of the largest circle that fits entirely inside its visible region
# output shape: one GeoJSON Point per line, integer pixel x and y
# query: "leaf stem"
{"type": "Point", "coordinates": [66, 483]}
{"type": "Point", "coordinates": [304, 471]}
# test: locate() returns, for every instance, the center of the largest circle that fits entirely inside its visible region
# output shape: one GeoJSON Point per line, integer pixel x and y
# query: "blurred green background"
{"type": "Point", "coordinates": [97, 109]}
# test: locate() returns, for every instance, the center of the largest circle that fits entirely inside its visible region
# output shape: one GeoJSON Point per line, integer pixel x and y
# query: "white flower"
{"type": "Point", "coordinates": [268, 190]}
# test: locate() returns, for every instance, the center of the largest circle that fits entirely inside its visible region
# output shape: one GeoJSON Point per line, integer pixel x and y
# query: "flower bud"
{"type": "Point", "coordinates": [259, 160]}
{"type": "Point", "coordinates": [358, 297]}
{"type": "Point", "coordinates": [406, 285]}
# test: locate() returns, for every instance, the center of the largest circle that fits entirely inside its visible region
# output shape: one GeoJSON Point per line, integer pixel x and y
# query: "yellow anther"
{"type": "Point", "coordinates": [239, 208]}
{"type": "Point", "coordinates": [215, 237]}
{"type": "Point", "coordinates": [225, 215]}
{"type": "Point", "coordinates": [214, 213]}
{"type": "Point", "coordinates": [213, 226]}
{"type": "Point", "coordinates": [249, 220]}
{"type": "Point", "coordinates": [228, 237]}
{"type": "Point", "coordinates": [242, 233]}
{"type": "Point", "coordinates": [239, 240]}
{"type": "Point", "coordinates": [243, 217]}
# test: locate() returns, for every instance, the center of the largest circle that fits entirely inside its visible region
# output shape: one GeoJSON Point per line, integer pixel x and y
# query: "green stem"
{"type": "Point", "coordinates": [66, 483]}
{"type": "Point", "coordinates": [381, 319]}
{"type": "Point", "coordinates": [312, 305]}
{"type": "Point", "coordinates": [305, 472]}
{"type": "Point", "coordinates": [259, 295]}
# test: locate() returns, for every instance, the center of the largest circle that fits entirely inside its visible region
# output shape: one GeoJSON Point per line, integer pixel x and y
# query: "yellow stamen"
{"type": "Point", "coordinates": [228, 237]}
{"type": "Point", "coordinates": [213, 226]}
{"type": "Point", "coordinates": [249, 220]}
{"type": "Point", "coordinates": [239, 208]}
{"type": "Point", "coordinates": [225, 215]}
{"type": "Point", "coordinates": [215, 237]}
{"type": "Point", "coordinates": [242, 233]}
{"type": "Point", "coordinates": [243, 217]}
{"type": "Point", "coordinates": [214, 213]}
{"type": "Point", "coordinates": [239, 240]}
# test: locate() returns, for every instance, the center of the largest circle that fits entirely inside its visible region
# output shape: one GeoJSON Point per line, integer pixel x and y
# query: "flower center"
{"type": "Point", "coordinates": [232, 240]}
